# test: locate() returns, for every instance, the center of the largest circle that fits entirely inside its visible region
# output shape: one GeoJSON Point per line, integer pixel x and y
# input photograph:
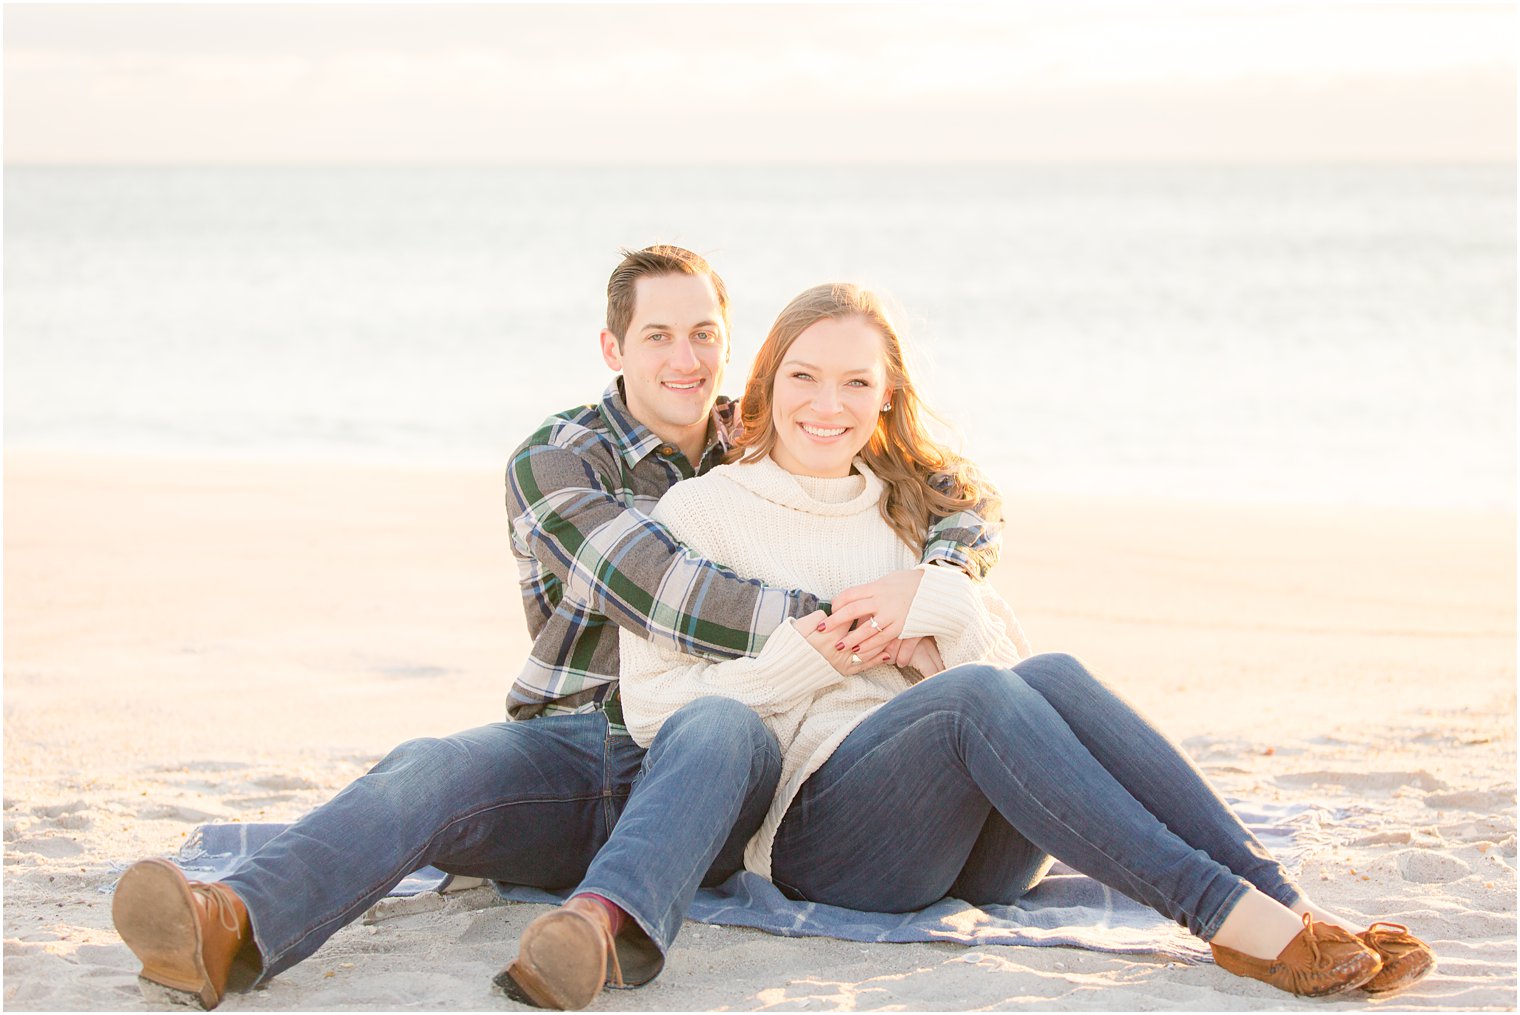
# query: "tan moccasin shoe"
{"type": "Point", "coordinates": [1405, 957]}
{"type": "Point", "coordinates": [1321, 959]}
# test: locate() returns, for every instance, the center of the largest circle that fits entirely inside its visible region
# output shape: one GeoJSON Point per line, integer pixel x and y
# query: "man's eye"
{"type": "Point", "coordinates": [706, 336]}
{"type": "Point", "coordinates": [656, 337]}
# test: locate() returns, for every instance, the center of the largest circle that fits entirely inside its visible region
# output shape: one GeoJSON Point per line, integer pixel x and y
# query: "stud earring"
{"type": "Point", "coordinates": [887, 407]}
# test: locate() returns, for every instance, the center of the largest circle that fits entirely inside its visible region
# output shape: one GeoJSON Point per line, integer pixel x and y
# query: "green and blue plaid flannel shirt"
{"type": "Point", "coordinates": [590, 559]}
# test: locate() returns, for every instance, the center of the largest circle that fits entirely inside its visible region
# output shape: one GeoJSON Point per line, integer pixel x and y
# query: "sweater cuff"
{"type": "Point", "coordinates": [790, 666]}
{"type": "Point", "coordinates": [941, 603]}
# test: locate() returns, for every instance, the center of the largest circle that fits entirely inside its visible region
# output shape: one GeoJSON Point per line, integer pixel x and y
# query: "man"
{"type": "Point", "coordinates": [532, 801]}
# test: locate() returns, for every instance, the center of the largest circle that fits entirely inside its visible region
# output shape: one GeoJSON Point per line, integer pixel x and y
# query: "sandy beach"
{"type": "Point", "coordinates": [203, 640]}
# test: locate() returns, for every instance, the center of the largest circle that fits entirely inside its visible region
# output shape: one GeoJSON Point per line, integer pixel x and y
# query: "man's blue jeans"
{"type": "Point", "coordinates": [530, 803]}
{"type": "Point", "coordinates": [968, 782]}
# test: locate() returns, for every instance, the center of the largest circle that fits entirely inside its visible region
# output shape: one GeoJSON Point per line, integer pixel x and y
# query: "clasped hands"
{"type": "Point", "coordinates": [866, 626]}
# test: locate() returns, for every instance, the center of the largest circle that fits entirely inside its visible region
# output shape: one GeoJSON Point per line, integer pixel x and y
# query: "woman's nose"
{"type": "Point", "coordinates": [826, 400]}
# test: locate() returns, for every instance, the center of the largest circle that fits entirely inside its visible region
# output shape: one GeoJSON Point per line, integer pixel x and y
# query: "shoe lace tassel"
{"type": "Point", "coordinates": [217, 902]}
{"type": "Point", "coordinates": [1313, 943]}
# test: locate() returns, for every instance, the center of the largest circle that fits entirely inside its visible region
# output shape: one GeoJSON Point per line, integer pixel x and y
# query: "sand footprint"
{"type": "Point", "coordinates": [282, 781]}
{"type": "Point", "coordinates": [1473, 799]}
{"type": "Point", "coordinates": [46, 846]}
{"type": "Point", "coordinates": [1363, 782]}
{"type": "Point", "coordinates": [73, 807]}
{"type": "Point", "coordinates": [176, 812]}
{"type": "Point", "coordinates": [73, 816]}
{"type": "Point", "coordinates": [1427, 867]}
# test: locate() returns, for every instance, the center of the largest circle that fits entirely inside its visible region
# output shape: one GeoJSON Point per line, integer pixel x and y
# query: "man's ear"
{"type": "Point", "coordinates": [611, 354]}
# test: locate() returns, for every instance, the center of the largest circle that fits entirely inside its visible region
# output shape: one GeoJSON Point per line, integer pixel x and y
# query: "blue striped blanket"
{"type": "Point", "coordinates": [1065, 909]}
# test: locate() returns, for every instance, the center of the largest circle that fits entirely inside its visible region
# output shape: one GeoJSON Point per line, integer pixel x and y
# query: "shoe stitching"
{"type": "Point", "coordinates": [226, 913]}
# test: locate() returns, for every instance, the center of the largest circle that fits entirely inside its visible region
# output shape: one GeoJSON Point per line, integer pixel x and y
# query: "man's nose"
{"type": "Point", "coordinates": [684, 355]}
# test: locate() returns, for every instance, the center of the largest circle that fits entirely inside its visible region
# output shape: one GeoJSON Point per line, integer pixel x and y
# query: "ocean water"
{"type": "Point", "coordinates": [1318, 335]}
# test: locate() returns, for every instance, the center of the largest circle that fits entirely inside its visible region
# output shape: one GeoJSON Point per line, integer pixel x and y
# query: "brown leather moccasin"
{"type": "Point", "coordinates": [185, 933]}
{"type": "Point", "coordinates": [1321, 959]}
{"type": "Point", "coordinates": [1405, 957]}
{"type": "Point", "coordinates": [564, 957]}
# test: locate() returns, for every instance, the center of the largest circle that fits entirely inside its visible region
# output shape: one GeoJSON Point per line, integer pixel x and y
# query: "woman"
{"type": "Point", "coordinates": [895, 793]}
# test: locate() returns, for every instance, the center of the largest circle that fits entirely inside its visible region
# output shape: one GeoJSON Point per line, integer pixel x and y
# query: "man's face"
{"type": "Point", "coordinates": [672, 356]}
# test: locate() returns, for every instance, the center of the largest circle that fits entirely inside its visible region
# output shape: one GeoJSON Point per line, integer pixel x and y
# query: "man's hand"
{"type": "Point", "coordinates": [815, 631]}
{"type": "Point", "coordinates": [878, 611]}
{"type": "Point", "coordinates": [925, 659]}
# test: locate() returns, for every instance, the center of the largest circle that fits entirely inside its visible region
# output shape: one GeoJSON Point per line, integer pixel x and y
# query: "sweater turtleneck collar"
{"type": "Point", "coordinates": [850, 495]}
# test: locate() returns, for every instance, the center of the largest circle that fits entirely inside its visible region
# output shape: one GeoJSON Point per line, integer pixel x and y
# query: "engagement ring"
{"type": "Point", "coordinates": [873, 623]}
{"type": "Point", "coordinates": [855, 659]}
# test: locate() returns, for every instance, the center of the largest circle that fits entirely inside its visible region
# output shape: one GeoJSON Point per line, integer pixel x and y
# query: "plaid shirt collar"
{"type": "Point", "coordinates": [636, 442]}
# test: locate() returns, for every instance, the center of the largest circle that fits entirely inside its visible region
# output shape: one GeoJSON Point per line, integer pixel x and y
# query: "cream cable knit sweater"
{"type": "Point", "coordinates": [824, 535]}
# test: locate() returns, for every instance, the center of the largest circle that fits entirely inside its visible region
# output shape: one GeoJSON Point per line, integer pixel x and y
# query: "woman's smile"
{"type": "Point", "coordinates": [828, 396]}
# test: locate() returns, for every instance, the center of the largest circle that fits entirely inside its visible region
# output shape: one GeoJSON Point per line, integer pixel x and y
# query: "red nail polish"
{"type": "Point", "coordinates": [822, 626]}
{"type": "Point", "coordinates": [886, 658]}
{"type": "Point", "coordinates": [839, 647]}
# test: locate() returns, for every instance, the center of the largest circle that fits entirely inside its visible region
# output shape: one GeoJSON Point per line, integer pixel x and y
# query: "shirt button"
{"type": "Point", "coordinates": [666, 450]}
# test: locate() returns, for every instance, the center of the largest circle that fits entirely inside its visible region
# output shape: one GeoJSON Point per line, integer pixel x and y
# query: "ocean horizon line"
{"type": "Point", "coordinates": [801, 166]}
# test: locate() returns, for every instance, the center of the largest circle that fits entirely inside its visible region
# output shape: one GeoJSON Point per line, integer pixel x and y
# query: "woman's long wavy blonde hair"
{"type": "Point", "coordinates": [923, 478]}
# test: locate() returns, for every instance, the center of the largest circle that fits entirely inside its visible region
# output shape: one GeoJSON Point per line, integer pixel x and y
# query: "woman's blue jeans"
{"type": "Point", "coordinates": [530, 803]}
{"type": "Point", "coordinates": [969, 782]}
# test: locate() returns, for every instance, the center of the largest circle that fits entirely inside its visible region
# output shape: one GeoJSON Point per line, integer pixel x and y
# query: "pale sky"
{"type": "Point", "coordinates": [758, 84]}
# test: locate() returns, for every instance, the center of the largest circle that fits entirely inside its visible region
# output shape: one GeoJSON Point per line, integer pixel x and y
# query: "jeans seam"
{"type": "Point", "coordinates": [609, 819]}
{"type": "Point", "coordinates": [758, 750]}
{"type": "Point", "coordinates": [1079, 835]}
{"type": "Point", "coordinates": [1060, 680]}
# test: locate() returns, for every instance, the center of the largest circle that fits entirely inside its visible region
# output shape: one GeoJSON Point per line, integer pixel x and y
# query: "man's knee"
{"type": "Point", "coordinates": [419, 752]}
{"type": "Point", "coordinates": [715, 717]}
{"type": "Point", "coordinates": [455, 764]}
{"type": "Point", "coordinates": [717, 726]}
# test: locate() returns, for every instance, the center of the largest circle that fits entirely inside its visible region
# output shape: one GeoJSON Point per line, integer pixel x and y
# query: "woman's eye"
{"type": "Point", "coordinates": [800, 376]}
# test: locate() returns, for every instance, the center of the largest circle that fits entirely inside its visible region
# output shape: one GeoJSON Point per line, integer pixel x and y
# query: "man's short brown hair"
{"type": "Point", "coordinates": [654, 262]}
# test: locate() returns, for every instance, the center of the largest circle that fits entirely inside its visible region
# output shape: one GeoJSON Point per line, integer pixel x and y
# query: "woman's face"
{"type": "Point", "coordinates": [828, 392]}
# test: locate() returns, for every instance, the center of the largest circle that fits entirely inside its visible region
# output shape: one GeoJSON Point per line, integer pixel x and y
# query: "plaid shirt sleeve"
{"type": "Point", "coordinates": [616, 561]}
{"type": "Point", "coordinates": [972, 540]}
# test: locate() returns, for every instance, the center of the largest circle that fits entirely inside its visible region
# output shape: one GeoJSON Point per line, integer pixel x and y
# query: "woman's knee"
{"type": "Point", "coordinates": [988, 699]}
{"type": "Point", "coordinates": [1051, 670]}
{"type": "Point", "coordinates": [977, 687]}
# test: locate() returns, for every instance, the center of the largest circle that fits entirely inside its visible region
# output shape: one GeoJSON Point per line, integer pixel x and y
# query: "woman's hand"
{"type": "Point", "coordinates": [877, 610]}
{"type": "Point", "coordinates": [815, 632]}
{"type": "Point", "coordinates": [925, 660]}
